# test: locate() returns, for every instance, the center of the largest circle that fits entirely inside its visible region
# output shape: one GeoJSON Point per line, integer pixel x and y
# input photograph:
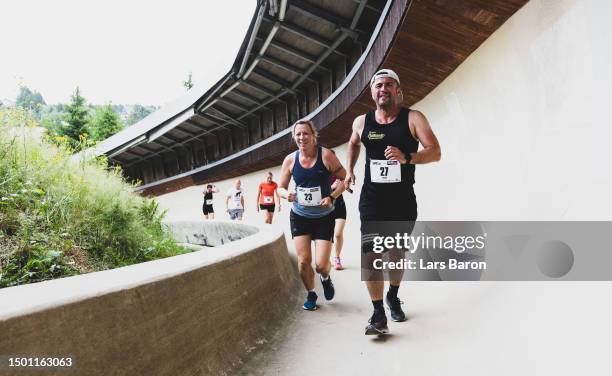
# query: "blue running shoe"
{"type": "Point", "coordinates": [311, 302]}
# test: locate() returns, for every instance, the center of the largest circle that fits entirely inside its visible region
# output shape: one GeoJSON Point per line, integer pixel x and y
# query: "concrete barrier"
{"type": "Point", "coordinates": [196, 314]}
{"type": "Point", "coordinates": [209, 234]}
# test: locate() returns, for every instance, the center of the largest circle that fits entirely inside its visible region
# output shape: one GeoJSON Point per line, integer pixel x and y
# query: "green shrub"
{"type": "Point", "coordinates": [62, 214]}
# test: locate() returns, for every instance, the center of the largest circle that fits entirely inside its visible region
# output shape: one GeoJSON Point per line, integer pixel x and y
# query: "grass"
{"type": "Point", "coordinates": [62, 215]}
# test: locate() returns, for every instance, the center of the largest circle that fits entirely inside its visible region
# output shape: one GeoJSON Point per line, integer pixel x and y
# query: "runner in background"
{"type": "Point", "coordinates": [339, 215]}
{"type": "Point", "coordinates": [266, 200]}
{"type": "Point", "coordinates": [234, 201]}
{"type": "Point", "coordinates": [207, 205]}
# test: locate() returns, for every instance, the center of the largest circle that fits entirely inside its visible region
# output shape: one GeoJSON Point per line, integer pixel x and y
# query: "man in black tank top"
{"type": "Point", "coordinates": [391, 135]}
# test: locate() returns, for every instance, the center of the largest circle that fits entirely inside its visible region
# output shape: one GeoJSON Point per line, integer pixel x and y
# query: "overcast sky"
{"type": "Point", "coordinates": [124, 52]}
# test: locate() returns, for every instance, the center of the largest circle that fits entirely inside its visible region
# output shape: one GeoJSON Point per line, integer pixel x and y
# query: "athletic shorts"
{"type": "Point", "coordinates": [318, 228]}
{"type": "Point", "coordinates": [207, 209]}
{"type": "Point", "coordinates": [236, 213]}
{"type": "Point", "coordinates": [339, 209]}
{"type": "Point", "coordinates": [384, 227]}
{"type": "Point", "coordinates": [269, 208]}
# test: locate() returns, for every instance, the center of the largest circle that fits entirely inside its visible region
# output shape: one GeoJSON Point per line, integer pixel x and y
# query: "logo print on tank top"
{"type": "Point", "coordinates": [373, 135]}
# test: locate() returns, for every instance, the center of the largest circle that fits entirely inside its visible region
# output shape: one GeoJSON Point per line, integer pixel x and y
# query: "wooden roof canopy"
{"type": "Point", "coordinates": [301, 59]}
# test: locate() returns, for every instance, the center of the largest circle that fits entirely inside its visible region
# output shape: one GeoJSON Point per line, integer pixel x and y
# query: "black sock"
{"type": "Point", "coordinates": [378, 304]}
{"type": "Point", "coordinates": [392, 293]}
{"type": "Point", "coordinates": [312, 296]}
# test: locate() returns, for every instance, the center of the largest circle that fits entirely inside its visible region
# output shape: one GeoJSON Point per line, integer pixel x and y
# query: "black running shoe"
{"type": "Point", "coordinates": [328, 288]}
{"type": "Point", "coordinates": [395, 306]}
{"type": "Point", "coordinates": [377, 323]}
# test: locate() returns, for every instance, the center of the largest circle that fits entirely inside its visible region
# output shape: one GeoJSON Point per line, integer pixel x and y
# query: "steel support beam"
{"type": "Point", "coordinates": [234, 104]}
{"type": "Point", "coordinates": [321, 15]}
{"type": "Point", "coordinates": [285, 66]}
{"type": "Point", "coordinates": [295, 52]}
{"type": "Point", "coordinates": [298, 30]}
{"type": "Point", "coordinates": [231, 118]}
{"type": "Point", "coordinates": [270, 77]}
{"type": "Point", "coordinates": [258, 87]}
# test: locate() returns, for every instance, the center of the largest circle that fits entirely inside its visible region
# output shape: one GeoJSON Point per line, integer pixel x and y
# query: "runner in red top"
{"type": "Point", "coordinates": [265, 198]}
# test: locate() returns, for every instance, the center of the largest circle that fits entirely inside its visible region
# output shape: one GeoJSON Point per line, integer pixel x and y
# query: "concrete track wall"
{"type": "Point", "coordinates": [524, 122]}
{"type": "Point", "coordinates": [209, 234]}
{"type": "Point", "coordinates": [196, 314]}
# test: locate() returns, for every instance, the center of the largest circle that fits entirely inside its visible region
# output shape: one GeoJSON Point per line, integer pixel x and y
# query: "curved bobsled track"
{"type": "Point", "coordinates": [522, 124]}
{"type": "Point", "coordinates": [517, 94]}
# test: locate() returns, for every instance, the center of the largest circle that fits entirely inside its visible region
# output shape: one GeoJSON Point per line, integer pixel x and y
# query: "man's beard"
{"type": "Point", "coordinates": [386, 104]}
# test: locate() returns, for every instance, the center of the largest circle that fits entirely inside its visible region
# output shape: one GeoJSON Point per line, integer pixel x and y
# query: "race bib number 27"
{"type": "Point", "coordinates": [384, 171]}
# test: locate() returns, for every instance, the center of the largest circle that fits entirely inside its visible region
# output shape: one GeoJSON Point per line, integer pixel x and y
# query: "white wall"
{"type": "Point", "coordinates": [523, 125]}
{"type": "Point", "coordinates": [523, 121]}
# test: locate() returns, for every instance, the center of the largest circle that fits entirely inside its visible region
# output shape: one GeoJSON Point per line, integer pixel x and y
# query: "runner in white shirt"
{"type": "Point", "coordinates": [234, 201]}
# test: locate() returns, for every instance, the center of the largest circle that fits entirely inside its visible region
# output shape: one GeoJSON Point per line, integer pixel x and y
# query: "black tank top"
{"type": "Point", "coordinates": [388, 201]}
{"type": "Point", "coordinates": [208, 196]}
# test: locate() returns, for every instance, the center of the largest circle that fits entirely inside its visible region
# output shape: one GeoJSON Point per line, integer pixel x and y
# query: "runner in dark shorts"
{"type": "Point", "coordinates": [340, 221]}
{"type": "Point", "coordinates": [311, 216]}
{"type": "Point", "coordinates": [391, 135]}
{"type": "Point", "coordinates": [207, 205]}
{"type": "Point", "coordinates": [267, 196]}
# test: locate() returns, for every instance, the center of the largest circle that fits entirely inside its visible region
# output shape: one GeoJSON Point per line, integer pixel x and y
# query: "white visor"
{"type": "Point", "coordinates": [385, 73]}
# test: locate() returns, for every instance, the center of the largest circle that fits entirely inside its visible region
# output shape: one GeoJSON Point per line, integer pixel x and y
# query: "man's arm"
{"type": "Point", "coordinates": [420, 129]}
{"type": "Point", "coordinates": [354, 146]}
{"type": "Point", "coordinates": [257, 199]}
{"type": "Point", "coordinates": [431, 148]}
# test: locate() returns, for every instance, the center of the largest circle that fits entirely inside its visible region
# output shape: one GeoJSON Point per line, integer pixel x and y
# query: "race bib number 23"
{"type": "Point", "coordinates": [309, 196]}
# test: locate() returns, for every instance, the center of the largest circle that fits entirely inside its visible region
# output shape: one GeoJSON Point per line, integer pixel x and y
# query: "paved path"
{"type": "Point", "coordinates": [476, 328]}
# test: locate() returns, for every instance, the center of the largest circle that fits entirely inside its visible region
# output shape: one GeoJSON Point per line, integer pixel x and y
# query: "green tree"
{"type": "Point", "coordinates": [189, 83]}
{"type": "Point", "coordinates": [76, 119]}
{"type": "Point", "coordinates": [53, 119]}
{"type": "Point", "coordinates": [105, 123]}
{"type": "Point", "coordinates": [138, 113]}
{"type": "Point", "coordinates": [31, 101]}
